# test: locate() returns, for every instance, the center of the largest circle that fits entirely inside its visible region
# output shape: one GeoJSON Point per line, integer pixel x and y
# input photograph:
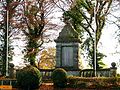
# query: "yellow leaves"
{"type": "Point", "coordinates": [47, 59]}
{"type": "Point", "coordinates": [50, 52]}
{"type": "Point", "coordinates": [44, 54]}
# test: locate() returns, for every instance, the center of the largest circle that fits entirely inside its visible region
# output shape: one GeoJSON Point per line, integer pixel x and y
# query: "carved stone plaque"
{"type": "Point", "coordinates": [67, 56]}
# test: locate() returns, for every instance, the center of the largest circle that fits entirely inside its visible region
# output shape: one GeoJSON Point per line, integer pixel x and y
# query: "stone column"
{"type": "Point", "coordinates": [58, 55]}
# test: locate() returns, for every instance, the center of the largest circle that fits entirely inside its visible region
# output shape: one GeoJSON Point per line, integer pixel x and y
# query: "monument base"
{"type": "Point", "coordinates": [71, 71]}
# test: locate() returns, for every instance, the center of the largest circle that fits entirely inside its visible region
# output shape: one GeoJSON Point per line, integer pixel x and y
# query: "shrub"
{"type": "Point", "coordinates": [29, 78]}
{"type": "Point", "coordinates": [59, 77]}
{"type": "Point", "coordinates": [94, 82]}
{"type": "Point", "coordinates": [76, 82]}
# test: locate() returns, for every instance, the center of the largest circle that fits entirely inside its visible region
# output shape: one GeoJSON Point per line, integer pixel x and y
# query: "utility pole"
{"type": "Point", "coordinates": [7, 29]}
{"type": "Point", "coordinates": [95, 46]}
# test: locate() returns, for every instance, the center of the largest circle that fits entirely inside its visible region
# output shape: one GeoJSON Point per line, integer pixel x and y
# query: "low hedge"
{"type": "Point", "coordinates": [93, 82]}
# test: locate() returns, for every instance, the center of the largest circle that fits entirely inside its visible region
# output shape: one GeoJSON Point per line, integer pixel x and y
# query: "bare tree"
{"type": "Point", "coordinates": [35, 21]}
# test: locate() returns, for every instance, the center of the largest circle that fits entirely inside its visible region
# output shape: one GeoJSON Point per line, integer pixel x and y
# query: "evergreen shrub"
{"type": "Point", "coordinates": [59, 77]}
{"type": "Point", "coordinates": [29, 78]}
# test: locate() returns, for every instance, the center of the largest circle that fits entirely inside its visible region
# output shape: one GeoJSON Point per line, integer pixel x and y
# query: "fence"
{"type": "Point", "coordinates": [109, 72]}
{"type": "Point", "coordinates": [46, 74]}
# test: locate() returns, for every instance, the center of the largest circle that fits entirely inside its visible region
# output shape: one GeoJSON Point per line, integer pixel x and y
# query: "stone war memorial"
{"type": "Point", "coordinates": [68, 50]}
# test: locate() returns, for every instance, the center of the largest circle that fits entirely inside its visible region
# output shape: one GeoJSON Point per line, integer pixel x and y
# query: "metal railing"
{"type": "Point", "coordinates": [99, 73]}
{"type": "Point", "coordinates": [46, 74]}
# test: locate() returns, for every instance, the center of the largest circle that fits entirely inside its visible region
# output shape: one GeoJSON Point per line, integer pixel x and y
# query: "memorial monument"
{"type": "Point", "coordinates": [68, 49]}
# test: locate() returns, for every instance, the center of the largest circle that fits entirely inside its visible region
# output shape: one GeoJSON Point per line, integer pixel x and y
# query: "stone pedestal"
{"type": "Point", "coordinates": [68, 49]}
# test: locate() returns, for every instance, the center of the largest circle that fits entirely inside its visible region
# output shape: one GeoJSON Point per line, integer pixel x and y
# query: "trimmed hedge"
{"type": "Point", "coordinates": [29, 78]}
{"type": "Point", "coordinates": [59, 77]}
{"type": "Point", "coordinates": [93, 82]}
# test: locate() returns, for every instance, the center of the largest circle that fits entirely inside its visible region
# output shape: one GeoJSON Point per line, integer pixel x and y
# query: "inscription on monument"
{"type": "Point", "coordinates": [67, 56]}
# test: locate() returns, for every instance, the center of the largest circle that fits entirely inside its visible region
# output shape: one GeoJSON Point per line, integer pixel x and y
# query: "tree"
{"type": "Point", "coordinates": [47, 59]}
{"type": "Point", "coordinates": [35, 21]}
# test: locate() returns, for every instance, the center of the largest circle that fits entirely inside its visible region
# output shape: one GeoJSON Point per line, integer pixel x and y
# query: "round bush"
{"type": "Point", "coordinates": [29, 78]}
{"type": "Point", "coordinates": [59, 77]}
